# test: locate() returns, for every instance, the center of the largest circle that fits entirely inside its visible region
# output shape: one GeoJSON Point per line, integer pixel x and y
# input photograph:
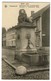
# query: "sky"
{"type": "Point", "coordinates": [10, 11]}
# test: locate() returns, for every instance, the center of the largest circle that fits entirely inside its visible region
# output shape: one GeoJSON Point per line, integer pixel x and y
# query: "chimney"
{"type": "Point", "coordinates": [32, 13]}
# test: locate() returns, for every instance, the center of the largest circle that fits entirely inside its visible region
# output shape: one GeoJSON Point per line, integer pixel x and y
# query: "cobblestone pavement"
{"type": "Point", "coordinates": [9, 73]}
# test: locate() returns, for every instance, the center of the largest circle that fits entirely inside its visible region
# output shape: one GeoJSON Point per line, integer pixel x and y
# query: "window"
{"type": "Point", "coordinates": [18, 37]}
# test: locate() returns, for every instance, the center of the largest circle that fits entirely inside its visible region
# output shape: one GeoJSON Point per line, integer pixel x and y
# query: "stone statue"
{"type": "Point", "coordinates": [22, 16]}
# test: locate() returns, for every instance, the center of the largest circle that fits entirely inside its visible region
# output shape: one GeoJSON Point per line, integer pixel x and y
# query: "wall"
{"type": "Point", "coordinates": [38, 32]}
{"type": "Point", "coordinates": [46, 28]}
{"type": "Point", "coordinates": [11, 38]}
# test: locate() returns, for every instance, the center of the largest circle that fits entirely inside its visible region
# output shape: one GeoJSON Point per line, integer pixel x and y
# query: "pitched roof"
{"type": "Point", "coordinates": [40, 12]}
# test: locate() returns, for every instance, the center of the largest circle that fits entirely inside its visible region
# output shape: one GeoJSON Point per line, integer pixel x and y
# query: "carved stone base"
{"type": "Point", "coordinates": [31, 57]}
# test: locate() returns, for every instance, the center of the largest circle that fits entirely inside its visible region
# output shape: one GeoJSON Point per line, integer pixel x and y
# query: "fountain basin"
{"type": "Point", "coordinates": [30, 58]}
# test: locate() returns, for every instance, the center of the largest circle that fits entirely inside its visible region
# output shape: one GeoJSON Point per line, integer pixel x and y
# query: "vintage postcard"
{"type": "Point", "coordinates": [25, 40]}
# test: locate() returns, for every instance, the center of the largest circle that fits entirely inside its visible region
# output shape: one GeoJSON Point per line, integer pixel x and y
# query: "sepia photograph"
{"type": "Point", "coordinates": [26, 40]}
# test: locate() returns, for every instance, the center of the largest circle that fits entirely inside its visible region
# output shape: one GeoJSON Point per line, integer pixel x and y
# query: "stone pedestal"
{"type": "Point", "coordinates": [25, 43]}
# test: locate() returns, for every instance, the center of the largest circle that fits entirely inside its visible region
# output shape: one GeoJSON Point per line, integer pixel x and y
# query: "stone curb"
{"type": "Point", "coordinates": [9, 63]}
{"type": "Point", "coordinates": [30, 70]}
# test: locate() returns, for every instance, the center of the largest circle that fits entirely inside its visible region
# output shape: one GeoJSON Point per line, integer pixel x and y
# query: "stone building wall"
{"type": "Point", "coordinates": [11, 38]}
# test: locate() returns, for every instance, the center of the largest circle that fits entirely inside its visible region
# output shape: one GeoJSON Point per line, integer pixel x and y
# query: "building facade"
{"type": "Point", "coordinates": [11, 37]}
{"type": "Point", "coordinates": [42, 21]}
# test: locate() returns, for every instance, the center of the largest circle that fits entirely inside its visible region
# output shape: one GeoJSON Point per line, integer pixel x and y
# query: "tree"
{"type": "Point", "coordinates": [3, 30]}
{"type": "Point", "coordinates": [3, 36]}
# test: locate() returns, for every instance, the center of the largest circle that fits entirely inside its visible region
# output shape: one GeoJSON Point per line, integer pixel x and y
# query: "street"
{"type": "Point", "coordinates": [9, 73]}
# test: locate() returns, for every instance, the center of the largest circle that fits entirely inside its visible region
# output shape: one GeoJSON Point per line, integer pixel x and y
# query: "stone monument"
{"type": "Point", "coordinates": [25, 41]}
